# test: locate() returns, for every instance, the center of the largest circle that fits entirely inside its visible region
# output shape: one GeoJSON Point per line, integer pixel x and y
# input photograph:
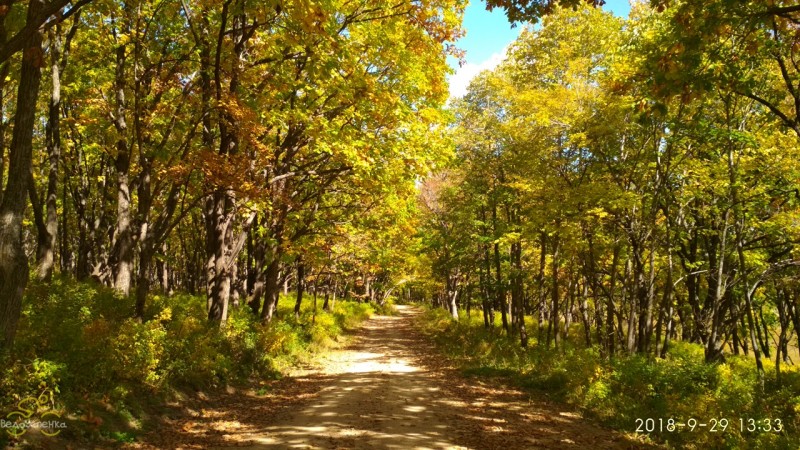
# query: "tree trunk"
{"type": "Point", "coordinates": [611, 337]}
{"type": "Point", "coordinates": [763, 338]}
{"type": "Point", "coordinates": [46, 246]}
{"type": "Point", "coordinates": [4, 68]}
{"type": "Point", "coordinates": [642, 301]}
{"type": "Point", "coordinates": [488, 311]}
{"type": "Point", "coordinates": [646, 318]}
{"type": "Point", "coordinates": [713, 349]}
{"type": "Point", "coordinates": [540, 279]}
{"type": "Point", "coordinates": [218, 222]}
{"type": "Point", "coordinates": [325, 302]}
{"type": "Point", "coordinates": [301, 277]}
{"type": "Point", "coordinates": [123, 239]}
{"type": "Point", "coordinates": [271, 289]}
{"type": "Point", "coordinates": [583, 306]}
{"type": "Point", "coordinates": [517, 293]}
{"type": "Point", "coordinates": [451, 302]}
{"type": "Point", "coordinates": [164, 270]}
{"type": "Point", "coordinates": [67, 260]}
{"type": "Point", "coordinates": [143, 281]}
{"type": "Point", "coordinates": [668, 307]}
{"type": "Point", "coordinates": [631, 297]}
{"type": "Point", "coordinates": [13, 261]}
{"type": "Point", "coordinates": [554, 316]}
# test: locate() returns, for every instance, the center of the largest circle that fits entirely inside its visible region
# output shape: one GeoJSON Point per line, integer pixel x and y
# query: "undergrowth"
{"type": "Point", "coordinates": [621, 390]}
{"type": "Point", "coordinates": [78, 341]}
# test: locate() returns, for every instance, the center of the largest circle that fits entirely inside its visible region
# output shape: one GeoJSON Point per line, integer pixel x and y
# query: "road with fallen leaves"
{"type": "Point", "coordinates": [388, 389]}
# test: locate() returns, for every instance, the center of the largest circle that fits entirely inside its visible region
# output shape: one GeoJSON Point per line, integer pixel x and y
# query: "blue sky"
{"type": "Point", "coordinates": [488, 35]}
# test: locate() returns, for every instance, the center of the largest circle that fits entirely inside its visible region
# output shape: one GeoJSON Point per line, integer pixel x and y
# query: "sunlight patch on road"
{"type": "Point", "coordinates": [367, 362]}
{"type": "Point", "coordinates": [415, 409]}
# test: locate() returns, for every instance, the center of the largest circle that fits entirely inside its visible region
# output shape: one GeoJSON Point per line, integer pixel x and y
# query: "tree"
{"type": "Point", "coordinates": [534, 10]}
{"type": "Point", "coordinates": [13, 260]}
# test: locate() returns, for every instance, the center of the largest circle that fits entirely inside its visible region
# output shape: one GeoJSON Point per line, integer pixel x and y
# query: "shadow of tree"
{"type": "Point", "coordinates": [387, 390]}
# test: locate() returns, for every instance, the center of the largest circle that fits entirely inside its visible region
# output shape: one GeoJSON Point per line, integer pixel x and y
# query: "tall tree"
{"type": "Point", "coordinates": [13, 260]}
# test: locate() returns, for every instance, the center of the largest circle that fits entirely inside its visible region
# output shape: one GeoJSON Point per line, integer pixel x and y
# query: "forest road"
{"type": "Point", "coordinates": [389, 389]}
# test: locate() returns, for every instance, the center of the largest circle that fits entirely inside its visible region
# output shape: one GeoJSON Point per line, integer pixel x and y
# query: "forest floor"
{"type": "Point", "coordinates": [386, 389]}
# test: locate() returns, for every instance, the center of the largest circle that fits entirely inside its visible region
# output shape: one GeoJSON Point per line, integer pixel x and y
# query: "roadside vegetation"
{"type": "Point", "coordinates": [106, 370]}
{"type": "Point", "coordinates": [621, 390]}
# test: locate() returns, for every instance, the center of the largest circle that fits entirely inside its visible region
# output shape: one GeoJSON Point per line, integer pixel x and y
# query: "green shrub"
{"type": "Point", "coordinates": [79, 340]}
{"type": "Point", "coordinates": [387, 308]}
{"type": "Point", "coordinates": [137, 352]}
{"type": "Point", "coordinates": [29, 380]}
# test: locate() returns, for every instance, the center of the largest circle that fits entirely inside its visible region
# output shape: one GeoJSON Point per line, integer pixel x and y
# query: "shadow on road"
{"type": "Point", "coordinates": [388, 390]}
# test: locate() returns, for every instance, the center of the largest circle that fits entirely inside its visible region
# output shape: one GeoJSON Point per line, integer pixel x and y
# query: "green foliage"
{"type": "Point", "coordinates": [386, 309]}
{"type": "Point", "coordinates": [29, 380]}
{"type": "Point", "coordinates": [620, 390]}
{"type": "Point", "coordinates": [533, 10]}
{"type": "Point", "coordinates": [75, 340]}
{"type": "Point", "coordinates": [626, 174]}
{"type": "Point", "coordinates": [122, 436]}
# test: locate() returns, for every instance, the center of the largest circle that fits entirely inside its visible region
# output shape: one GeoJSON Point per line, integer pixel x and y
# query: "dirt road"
{"type": "Point", "coordinates": [387, 390]}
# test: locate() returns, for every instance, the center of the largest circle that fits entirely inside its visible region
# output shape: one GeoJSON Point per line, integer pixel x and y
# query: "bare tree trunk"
{"type": "Point", "coordinates": [668, 308]}
{"type": "Point", "coordinates": [540, 280]}
{"type": "Point", "coordinates": [67, 260]}
{"type": "Point", "coordinates": [123, 239]}
{"type": "Point", "coordinates": [271, 289]}
{"type": "Point", "coordinates": [640, 297]}
{"type": "Point", "coordinates": [451, 302]}
{"type": "Point", "coordinates": [325, 302]}
{"type": "Point", "coordinates": [46, 245]}
{"type": "Point", "coordinates": [301, 274]}
{"type": "Point", "coordinates": [500, 293]}
{"type": "Point", "coordinates": [333, 297]}
{"type": "Point", "coordinates": [713, 349]}
{"type": "Point", "coordinates": [572, 287]}
{"type": "Point", "coordinates": [36, 207]}
{"type": "Point", "coordinates": [219, 224]}
{"type": "Point", "coordinates": [646, 318]}
{"type": "Point", "coordinates": [4, 68]}
{"type": "Point", "coordinates": [164, 270]}
{"type": "Point", "coordinates": [59, 51]}
{"type": "Point", "coordinates": [84, 228]}
{"type": "Point", "coordinates": [13, 261]}
{"type": "Point", "coordinates": [611, 337]}
{"type": "Point", "coordinates": [781, 351]}
{"type": "Point", "coordinates": [517, 293]}
{"type": "Point", "coordinates": [488, 310]}
{"type": "Point", "coordinates": [631, 297]}
{"type": "Point", "coordinates": [554, 316]}
{"type": "Point", "coordinates": [583, 306]}
{"type": "Point", "coordinates": [748, 304]}
{"type": "Point", "coordinates": [484, 289]}
{"type": "Point", "coordinates": [143, 282]}
{"type": "Point", "coordinates": [763, 338]}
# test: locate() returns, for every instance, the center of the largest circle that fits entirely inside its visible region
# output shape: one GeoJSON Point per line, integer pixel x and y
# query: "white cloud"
{"type": "Point", "coordinates": [459, 81]}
